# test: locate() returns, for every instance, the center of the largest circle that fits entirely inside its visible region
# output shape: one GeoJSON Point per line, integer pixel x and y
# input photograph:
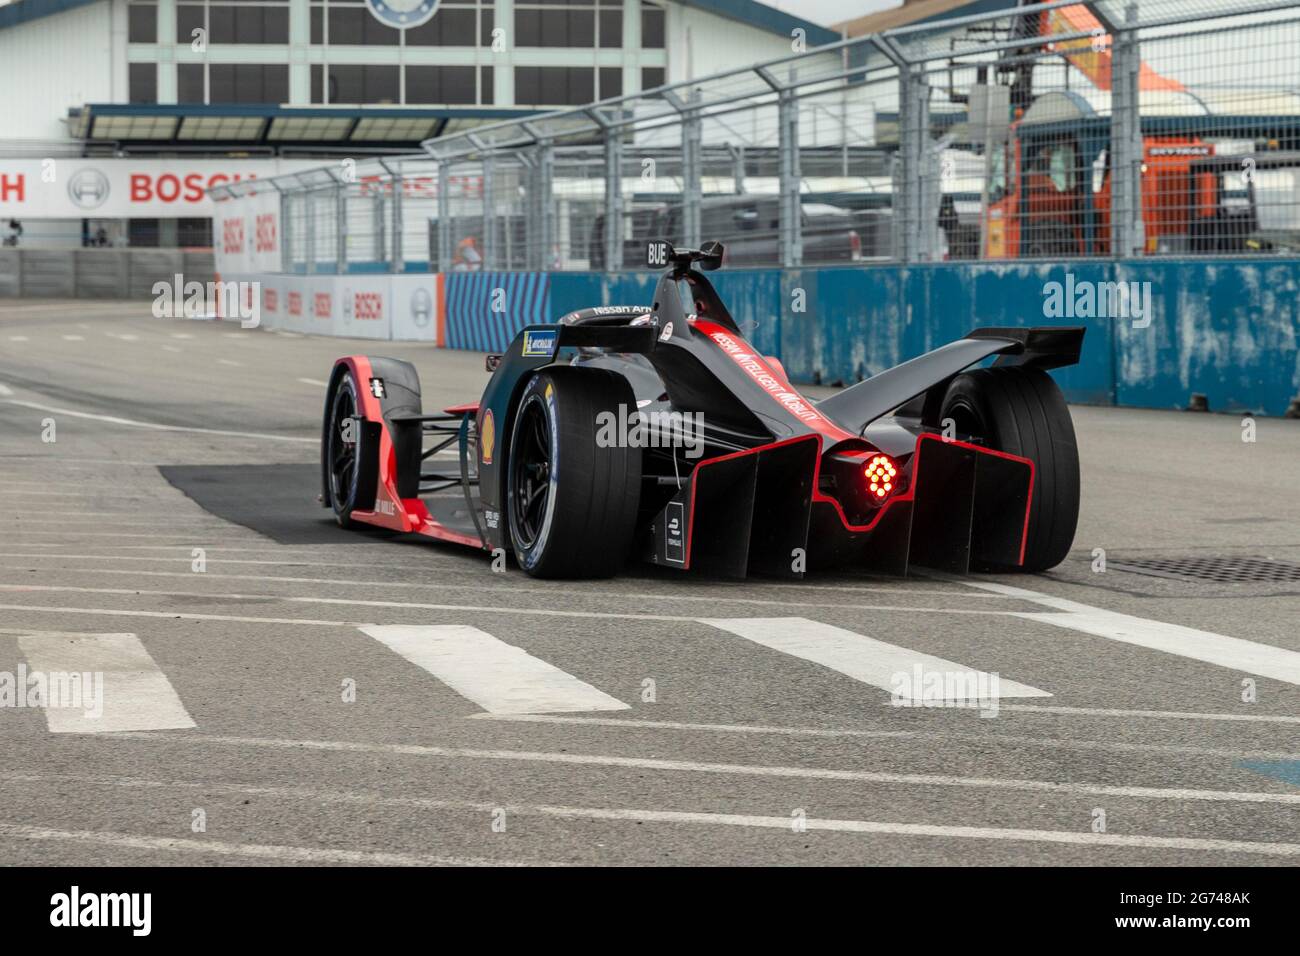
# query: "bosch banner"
{"type": "Point", "coordinates": [62, 188]}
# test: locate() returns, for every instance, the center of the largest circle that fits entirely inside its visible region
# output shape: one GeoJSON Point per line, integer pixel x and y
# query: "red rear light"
{"type": "Point", "coordinates": [855, 245]}
{"type": "Point", "coordinates": [881, 475]}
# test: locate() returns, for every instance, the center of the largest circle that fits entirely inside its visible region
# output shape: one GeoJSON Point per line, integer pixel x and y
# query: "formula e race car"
{"type": "Point", "coordinates": [657, 432]}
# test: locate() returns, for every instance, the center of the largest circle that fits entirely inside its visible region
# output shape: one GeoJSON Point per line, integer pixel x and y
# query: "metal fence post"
{"type": "Point", "coordinates": [791, 208]}
{"type": "Point", "coordinates": [692, 191]}
{"type": "Point", "coordinates": [489, 224]}
{"type": "Point", "coordinates": [444, 217]}
{"type": "Point", "coordinates": [613, 200]}
{"type": "Point", "coordinates": [286, 230]}
{"type": "Point", "coordinates": [396, 259]}
{"type": "Point", "coordinates": [341, 227]}
{"type": "Point", "coordinates": [544, 179]}
{"type": "Point", "coordinates": [310, 199]}
{"type": "Point", "coordinates": [914, 102]}
{"type": "Point", "coordinates": [1127, 234]}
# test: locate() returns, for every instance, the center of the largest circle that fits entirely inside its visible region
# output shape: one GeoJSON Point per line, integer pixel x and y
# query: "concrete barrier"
{"type": "Point", "coordinates": [97, 273]}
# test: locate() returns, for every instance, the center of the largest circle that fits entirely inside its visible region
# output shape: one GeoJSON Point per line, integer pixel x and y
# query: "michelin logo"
{"type": "Point", "coordinates": [539, 344]}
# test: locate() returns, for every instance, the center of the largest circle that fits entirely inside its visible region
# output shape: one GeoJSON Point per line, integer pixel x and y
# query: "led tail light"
{"type": "Point", "coordinates": [881, 475]}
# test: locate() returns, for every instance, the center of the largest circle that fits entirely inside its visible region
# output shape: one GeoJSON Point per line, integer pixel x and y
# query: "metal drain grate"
{"type": "Point", "coordinates": [1235, 570]}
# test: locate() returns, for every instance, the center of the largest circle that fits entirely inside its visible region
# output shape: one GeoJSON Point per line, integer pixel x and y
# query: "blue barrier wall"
{"type": "Point", "coordinates": [1227, 328]}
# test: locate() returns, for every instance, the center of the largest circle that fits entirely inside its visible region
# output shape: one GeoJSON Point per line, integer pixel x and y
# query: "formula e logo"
{"type": "Point", "coordinates": [674, 525]}
{"type": "Point", "coordinates": [402, 14]}
{"type": "Point", "coordinates": [88, 188]}
{"type": "Point", "coordinates": [539, 343]}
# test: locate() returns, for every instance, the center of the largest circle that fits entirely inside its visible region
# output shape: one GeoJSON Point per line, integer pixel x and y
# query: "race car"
{"type": "Point", "coordinates": [657, 432]}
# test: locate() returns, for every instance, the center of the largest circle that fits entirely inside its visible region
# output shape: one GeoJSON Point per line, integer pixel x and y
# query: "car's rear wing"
{"type": "Point", "coordinates": [1042, 347]}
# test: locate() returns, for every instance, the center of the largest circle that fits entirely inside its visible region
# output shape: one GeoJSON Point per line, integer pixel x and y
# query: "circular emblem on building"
{"type": "Point", "coordinates": [487, 438]}
{"type": "Point", "coordinates": [88, 188]}
{"type": "Point", "coordinates": [402, 14]}
{"type": "Point", "coordinates": [421, 307]}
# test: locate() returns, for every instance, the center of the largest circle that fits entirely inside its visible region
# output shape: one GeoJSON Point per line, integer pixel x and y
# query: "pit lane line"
{"type": "Point", "coordinates": [639, 815]}
{"type": "Point", "coordinates": [132, 423]}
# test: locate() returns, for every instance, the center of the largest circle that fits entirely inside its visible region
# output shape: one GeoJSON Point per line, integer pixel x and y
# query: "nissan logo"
{"type": "Point", "coordinates": [88, 188]}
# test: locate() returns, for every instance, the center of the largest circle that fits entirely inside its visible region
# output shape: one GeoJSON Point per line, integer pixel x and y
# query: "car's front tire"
{"type": "Point", "coordinates": [571, 501]}
{"type": "Point", "coordinates": [1021, 411]}
{"type": "Point", "coordinates": [341, 449]}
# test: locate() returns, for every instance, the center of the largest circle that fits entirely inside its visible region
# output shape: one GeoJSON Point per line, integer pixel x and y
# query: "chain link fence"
{"type": "Point", "coordinates": [1053, 130]}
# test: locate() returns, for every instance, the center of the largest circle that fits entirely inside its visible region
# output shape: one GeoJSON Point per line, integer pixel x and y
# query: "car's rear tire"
{"type": "Point", "coordinates": [571, 502]}
{"type": "Point", "coordinates": [1021, 411]}
{"type": "Point", "coordinates": [341, 447]}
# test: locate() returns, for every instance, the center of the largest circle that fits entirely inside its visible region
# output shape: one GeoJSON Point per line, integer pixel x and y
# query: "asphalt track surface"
{"type": "Point", "coordinates": [740, 741]}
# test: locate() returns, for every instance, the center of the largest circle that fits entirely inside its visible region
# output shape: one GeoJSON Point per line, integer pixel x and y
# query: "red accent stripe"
{"type": "Point", "coordinates": [748, 358]}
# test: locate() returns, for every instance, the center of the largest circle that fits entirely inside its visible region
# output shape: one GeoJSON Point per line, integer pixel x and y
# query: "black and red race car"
{"type": "Point", "coordinates": [657, 432]}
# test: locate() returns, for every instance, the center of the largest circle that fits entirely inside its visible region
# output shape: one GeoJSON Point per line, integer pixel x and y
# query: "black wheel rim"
{"type": "Point", "coordinates": [343, 446]}
{"type": "Point", "coordinates": [530, 473]}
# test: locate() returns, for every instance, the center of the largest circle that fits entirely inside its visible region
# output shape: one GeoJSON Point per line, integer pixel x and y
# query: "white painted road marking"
{"type": "Point", "coordinates": [136, 695]}
{"type": "Point", "coordinates": [1249, 657]}
{"type": "Point", "coordinates": [6, 390]}
{"type": "Point", "coordinates": [868, 660]}
{"type": "Point", "coordinates": [314, 381]}
{"type": "Point", "coordinates": [276, 853]}
{"type": "Point", "coordinates": [642, 815]}
{"type": "Point", "coordinates": [499, 677]}
{"type": "Point", "coordinates": [73, 338]}
{"type": "Point", "coordinates": [743, 770]}
{"type": "Point", "coordinates": [114, 420]}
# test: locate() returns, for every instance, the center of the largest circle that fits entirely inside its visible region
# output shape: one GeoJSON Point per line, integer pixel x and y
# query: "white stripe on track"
{"type": "Point", "coordinates": [132, 423]}
{"type": "Point", "coordinates": [134, 693]}
{"type": "Point", "coordinates": [1235, 753]}
{"type": "Point", "coordinates": [499, 677]}
{"type": "Point", "coordinates": [263, 851]}
{"type": "Point", "coordinates": [905, 673]}
{"type": "Point", "coordinates": [728, 769]}
{"type": "Point", "coordinates": [1249, 657]}
{"type": "Point", "coordinates": [640, 815]}
{"type": "Point", "coordinates": [663, 597]}
{"type": "Point", "coordinates": [419, 605]}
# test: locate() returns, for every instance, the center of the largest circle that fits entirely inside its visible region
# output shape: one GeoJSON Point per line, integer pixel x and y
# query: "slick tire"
{"type": "Point", "coordinates": [1021, 411]}
{"type": "Point", "coordinates": [571, 503]}
{"type": "Point", "coordinates": [341, 450]}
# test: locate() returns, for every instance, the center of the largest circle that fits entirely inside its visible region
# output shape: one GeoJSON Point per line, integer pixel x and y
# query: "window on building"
{"type": "Point", "coordinates": [450, 26]}
{"type": "Point", "coordinates": [355, 26]}
{"type": "Point", "coordinates": [652, 77]}
{"type": "Point", "coordinates": [142, 23]}
{"type": "Point", "coordinates": [189, 83]}
{"type": "Point", "coordinates": [610, 81]}
{"type": "Point", "coordinates": [357, 84]}
{"type": "Point", "coordinates": [554, 85]}
{"type": "Point", "coordinates": [248, 83]}
{"type": "Point", "coordinates": [652, 27]}
{"type": "Point", "coordinates": [453, 85]}
{"type": "Point", "coordinates": [581, 23]}
{"type": "Point", "coordinates": [142, 82]}
{"type": "Point", "coordinates": [253, 23]}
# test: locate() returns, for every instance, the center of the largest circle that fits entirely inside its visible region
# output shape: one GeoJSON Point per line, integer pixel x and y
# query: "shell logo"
{"type": "Point", "coordinates": [487, 437]}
